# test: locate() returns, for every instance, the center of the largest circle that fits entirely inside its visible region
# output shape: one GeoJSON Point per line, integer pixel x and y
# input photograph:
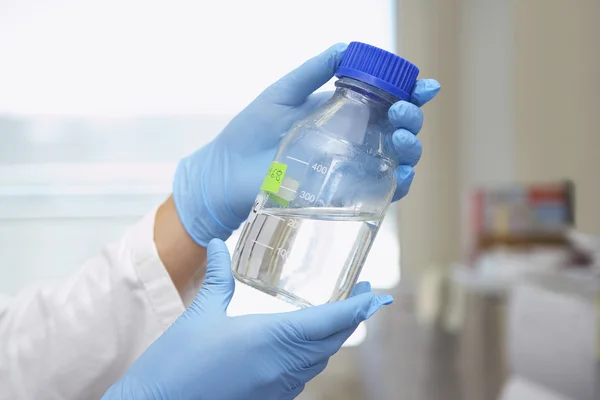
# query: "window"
{"type": "Point", "coordinates": [100, 99]}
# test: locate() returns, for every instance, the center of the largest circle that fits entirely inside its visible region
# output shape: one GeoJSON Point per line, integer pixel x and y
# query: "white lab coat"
{"type": "Point", "coordinates": [73, 339]}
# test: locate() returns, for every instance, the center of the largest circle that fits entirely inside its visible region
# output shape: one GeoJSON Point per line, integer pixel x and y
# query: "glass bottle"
{"type": "Point", "coordinates": [328, 187]}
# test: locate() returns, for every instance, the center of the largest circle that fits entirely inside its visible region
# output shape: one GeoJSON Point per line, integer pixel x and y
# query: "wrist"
{"type": "Point", "coordinates": [179, 253]}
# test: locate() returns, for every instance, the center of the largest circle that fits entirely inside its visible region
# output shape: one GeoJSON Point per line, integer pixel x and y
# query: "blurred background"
{"type": "Point", "coordinates": [493, 258]}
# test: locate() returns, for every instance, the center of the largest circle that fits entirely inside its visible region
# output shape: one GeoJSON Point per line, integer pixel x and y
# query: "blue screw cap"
{"type": "Point", "coordinates": [379, 68]}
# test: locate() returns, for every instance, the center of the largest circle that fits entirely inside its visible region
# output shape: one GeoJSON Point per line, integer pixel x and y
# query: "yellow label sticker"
{"type": "Point", "coordinates": [279, 200]}
{"type": "Point", "coordinates": [274, 177]}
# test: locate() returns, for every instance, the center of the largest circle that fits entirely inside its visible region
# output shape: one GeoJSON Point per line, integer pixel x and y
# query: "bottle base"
{"type": "Point", "coordinates": [275, 292]}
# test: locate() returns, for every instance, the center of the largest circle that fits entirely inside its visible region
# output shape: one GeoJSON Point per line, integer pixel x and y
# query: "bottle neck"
{"type": "Point", "coordinates": [358, 113]}
{"type": "Point", "coordinates": [376, 99]}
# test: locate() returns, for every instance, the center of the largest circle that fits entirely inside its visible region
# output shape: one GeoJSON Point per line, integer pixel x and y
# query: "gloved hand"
{"type": "Point", "coordinates": [207, 355]}
{"type": "Point", "coordinates": [215, 187]}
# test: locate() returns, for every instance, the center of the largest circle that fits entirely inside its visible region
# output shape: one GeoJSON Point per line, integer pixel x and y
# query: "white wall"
{"type": "Point", "coordinates": [486, 96]}
{"type": "Point", "coordinates": [520, 102]}
{"type": "Point", "coordinates": [428, 36]}
{"type": "Point", "coordinates": [557, 98]}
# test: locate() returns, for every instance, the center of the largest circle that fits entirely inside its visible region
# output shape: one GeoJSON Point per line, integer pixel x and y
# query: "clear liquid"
{"type": "Point", "coordinates": [306, 256]}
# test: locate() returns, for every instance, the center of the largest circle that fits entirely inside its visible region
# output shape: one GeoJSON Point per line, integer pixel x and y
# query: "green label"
{"type": "Point", "coordinates": [274, 177]}
{"type": "Point", "coordinates": [279, 200]}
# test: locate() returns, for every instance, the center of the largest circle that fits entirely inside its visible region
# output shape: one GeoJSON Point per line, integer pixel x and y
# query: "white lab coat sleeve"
{"type": "Point", "coordinates": [73, 339]}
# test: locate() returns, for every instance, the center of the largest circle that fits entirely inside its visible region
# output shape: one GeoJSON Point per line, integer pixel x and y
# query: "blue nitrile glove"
{"type": "Point", "coordinates": [207, 355]}
{"type": "Point", "coordinates": [215, 187]}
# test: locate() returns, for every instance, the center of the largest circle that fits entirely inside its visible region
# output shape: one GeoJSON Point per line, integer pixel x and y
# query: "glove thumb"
{"type": "Point", "coordinates": [218, 286]}
{"type": "Point", "coordinates": [295, 87]}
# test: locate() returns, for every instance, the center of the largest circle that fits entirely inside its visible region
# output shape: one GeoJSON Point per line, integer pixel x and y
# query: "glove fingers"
{"type": "Point", "coordinates": [404, 177]}
{"type": "Point", "coordinates": [307, 374]}
{"type": "Point", "coordinates": [321, 350]}
{"type": "Point", "coordinates": [319, 322]}
{"type": "Point", "coordinates": [360, 288]}
{"type": "Point", "coordinates": [218, 286]}
{"type": "Point", "coordinates": [294, 392]}
{"type": "Point", "coordinates": [295, 87]}
{"type": "Point", "coordinates": [327, 347]}
{"type": "Point", "coordinates": [403, 114]}
{"type": "Point", "coordinates": [424, 91]}
{"type": "Point", "coordinates": [407, 147]}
